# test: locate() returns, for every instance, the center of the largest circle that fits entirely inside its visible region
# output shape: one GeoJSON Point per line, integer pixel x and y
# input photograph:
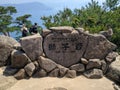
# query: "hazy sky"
{"type": "Point", "coordinates": [46, 1]}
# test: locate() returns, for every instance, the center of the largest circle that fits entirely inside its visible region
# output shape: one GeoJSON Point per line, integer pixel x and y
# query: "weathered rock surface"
{"type": "Point", "coordinates": [62, 29]}
{"type": "Point", "coordinates": [21, 74]}
{"type": "Point", "coordinates": [54, 73]}
{"type": "Point", "coordinates": [93, 63]}
{"type": "Point", "coordinates": [71, 74]}
{"type": "Point", "coordinates": [114, 70]}
{"type": "Point", "coordinates": [98, 47]}
{"type": "Point", "coordinates": [32, 45]}
{"type": "Point", "coordinates": [104, 66]}
{"type": "Point", "coordinates": [17, 46]}
{"type": "Point", "coordinates": [46, 64]}
{"type": "Point", "coordinates": [19, 59]}
{"type": "Point", "coordinates": [94, 74]}
{"type": "Point", "coordinates": [65, 49]}
{"type": "Point", "coordinates": [6, 46]}
{"type": "Point", "coordinates": [30, 68]}
{"type": "Point", "coordinates": [9, 71]}
{"type": "Point", "coordinates": [84, 61]}
{"type": "Point", "coordinates": [107, 33]}
{"type": "Point", "coordinates": [40, 73]}
{"type": "Point", "coordinates": [62, 70]}
{"type": "Point", "coordinates": [111, 56]}
{"type": "Point", "coordinates": [78, 67]}
{"type": "Point", "coordinates": [45, 32]}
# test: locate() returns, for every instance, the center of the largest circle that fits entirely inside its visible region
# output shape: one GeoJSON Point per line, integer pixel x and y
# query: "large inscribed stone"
{"type": "Point", "coordinates": [65, 49]}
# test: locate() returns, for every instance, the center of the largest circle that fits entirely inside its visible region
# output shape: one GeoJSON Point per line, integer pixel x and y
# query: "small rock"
{"type": "Point", "coordinates": [62, 70]}
{"type": "Point", "coordinates": [84, 61]}
{"type": "Point", "coordinates": [78, 67]}
{"type": "Point", "coordinates": [80, 29]}
{"type": "Point", "coordinates": [71, 74]}
{"type": "Point", "coordinates": [74, 32]}
{"type": "Point", "coordinates": [54, 73]}
{"type": "Point", "coordinates": [111, 56]}
{"type": "Point", "coordinates": [94, 74]}
{"type": "Point", "coordinates": [93, 63]}
{"type": "Point", "coordinates": [36, 65]}
{"type": "Point", "coordinates": [104, 66]}
{"type": "Point", "coordinates": [19, 59]}
{"type": "Point", "coordinates": [9, 71]}
{"type": "Point", "coordinates": [46, 64]}
{"type": "Point", "coordinates": [30, 68]}
{"type": "Point", "coordinates": [40, 73]}
{"type": "Point", "coordinates": [20, 74]}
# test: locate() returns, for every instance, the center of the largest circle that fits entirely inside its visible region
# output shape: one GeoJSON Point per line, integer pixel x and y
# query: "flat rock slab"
{"type": "Point", "coordinates": [65, 49]}
{"type": "Point", "coordinates": [32, 45]}
{"type": "Point", "coordinates": [62, 29]}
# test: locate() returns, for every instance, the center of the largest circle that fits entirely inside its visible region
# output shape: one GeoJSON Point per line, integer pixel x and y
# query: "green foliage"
{"type": "Point", "coordinates": [92, 17]}
{"type": "Point", "coordinates": [6, 19]}
{"type": "Point", "coordinates": [24, 20]}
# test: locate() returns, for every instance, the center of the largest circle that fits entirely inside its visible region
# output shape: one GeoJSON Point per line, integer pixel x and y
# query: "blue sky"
{"type": "Point", "coordinates": [46, 1]}
{"type": "Point", "coordinates": [54, 3]}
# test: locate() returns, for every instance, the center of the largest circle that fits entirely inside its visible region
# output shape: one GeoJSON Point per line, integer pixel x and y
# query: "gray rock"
{"type": "Point", "coordinates": [46, 64]}
{"type": "Point", "coordinates": [114, 70]}
{"type": "Point", "coordinates": [32, 45]}
{"type": "Point", "coordinates": [107, 33]}
{"type": "Point", "coordinates": [84, 61]}
{"type": "Point", "coordinates": [36, 65]}
{"type": "Point", "coordinates": [62, 70]}
{"type": "Point", "coordinates": [65, 49]}
{"type": "Point", "coordinates": [80, 29]}
{"type": "Point", "coordinates": [20, 74]}
{"type": "Point", "coordinates": [45, 32]}
{"type": "Point", "coordinates": [93, 63]}
{"type": "Point", "coordinates": [19, 59]}
{"type": "Point", "coordinates": [104, 66]}
{"type": "Point", "coordinates": [9, 71]}
{"type": "Point", "coordinates": [111, 56]}
{"type": "Point", "coordinates": [40, 73]}
{"type": "Point", "coordinates": [54, 73]}
{"type": "Point", "coordinates": [63, 29]}
{"type": "Point", "coordinates": [78, 67]}
{"type": "Point", "coordinates": [71, 74]}
{"type": "Point", "coordinates": [30, 68]}
{"type": "Point", "coordinates": [94, 74]}
{"type": "Point", "coordinates": [75, 32]}
{"type": "Point", "coordinates": [98, 47]}
{"type": "Point", "coordinates": [17, 46]}
{"type": "Point", "coordinates": [6, 46]}
{"type": "Point", "coordinates": [116, 87]}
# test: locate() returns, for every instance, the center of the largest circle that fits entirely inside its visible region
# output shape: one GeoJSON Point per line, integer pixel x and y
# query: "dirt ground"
{"type": "Point", "coordinates": [78, 83]}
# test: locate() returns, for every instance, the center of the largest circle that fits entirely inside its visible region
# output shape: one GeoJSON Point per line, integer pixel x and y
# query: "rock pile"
{"type": "Point", "coordinates": [59, 52]}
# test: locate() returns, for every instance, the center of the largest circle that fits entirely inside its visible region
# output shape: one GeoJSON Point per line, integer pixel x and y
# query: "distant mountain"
{"type": "Point", "coordinates": [36, 9]}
